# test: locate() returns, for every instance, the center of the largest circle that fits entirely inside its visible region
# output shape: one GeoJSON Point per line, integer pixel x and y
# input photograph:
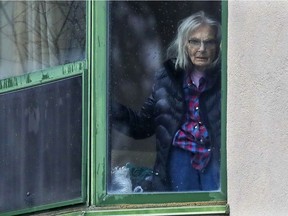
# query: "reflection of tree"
{"type": "Point", "coordinates": [41, 33]}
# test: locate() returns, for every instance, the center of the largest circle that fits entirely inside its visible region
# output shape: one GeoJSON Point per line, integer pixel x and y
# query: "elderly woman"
{"type": "Point", "coordinates": [183, 110]}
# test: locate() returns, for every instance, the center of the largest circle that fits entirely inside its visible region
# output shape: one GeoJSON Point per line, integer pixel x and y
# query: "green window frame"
{"type": "Point", "coordinates": [155, 202]}
{"type": "Point", "coordinates": [95, 200]}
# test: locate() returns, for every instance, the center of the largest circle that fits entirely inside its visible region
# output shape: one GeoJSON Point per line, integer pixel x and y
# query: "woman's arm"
{"type": "Point", "coordinates": [136, 124]}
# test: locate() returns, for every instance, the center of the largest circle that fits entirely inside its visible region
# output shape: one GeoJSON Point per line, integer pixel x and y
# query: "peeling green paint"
{"type": "Point", "coordinates": [28, 79]}
{"type": "Point", "coordinates": [71, 68]}
{"type": "Point", "coordinates": [164, 210]}
{"type": "Point", "coordinates": [8, 83]}
{"type": "Point", "coordinates": [45, 76]}
{"type": "Point", "coordinates": [42, 76]}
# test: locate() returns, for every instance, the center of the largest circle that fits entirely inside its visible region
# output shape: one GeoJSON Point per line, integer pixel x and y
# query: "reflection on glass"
{"type": "Point", "coordinates": [164, 125]}
{"type": "Point", "coordinates": [40, 34]}
{"type": "Point", "coordinates": [41, 145]}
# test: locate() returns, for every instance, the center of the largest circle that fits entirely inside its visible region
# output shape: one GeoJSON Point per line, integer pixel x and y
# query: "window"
{"type": "Point", "coordinates": [135, 55]}
{"type": "Point", "coordinates": [63, 67]}
{"type": "Point", "coordinates": [41, 93]}
{"type": "Point", "coordinates": [135, 45]}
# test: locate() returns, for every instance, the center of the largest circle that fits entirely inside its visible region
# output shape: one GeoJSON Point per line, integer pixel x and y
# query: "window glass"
{"type": "Point", "coordinates": [164, 123]}
{"type": "Point", "coordinates": [40, 34]}
{"type": "Point", "coordinates": [41, 145]}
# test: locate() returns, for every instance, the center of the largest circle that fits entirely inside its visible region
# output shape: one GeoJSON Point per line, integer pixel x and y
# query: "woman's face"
{"type": "Point", "coordinates": [202, 47]}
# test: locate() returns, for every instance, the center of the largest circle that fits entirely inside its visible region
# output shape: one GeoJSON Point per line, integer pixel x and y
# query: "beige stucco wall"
{"type": "Point", "coordinates": [257, 124]}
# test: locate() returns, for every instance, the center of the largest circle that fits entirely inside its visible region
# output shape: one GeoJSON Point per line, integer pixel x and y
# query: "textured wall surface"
{"type": "Point", "coordinates": [257, 125]}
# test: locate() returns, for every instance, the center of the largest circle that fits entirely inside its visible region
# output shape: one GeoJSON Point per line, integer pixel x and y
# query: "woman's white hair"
{"type": "Point", "coordinates": [178, 47]}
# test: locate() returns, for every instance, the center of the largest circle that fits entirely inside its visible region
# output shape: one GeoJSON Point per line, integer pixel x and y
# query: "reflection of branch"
{"type": "Point", "coordinates": [66, 19]}
{"type": "Point", "coordinates": [44, 27]}
{"type": "Point", "coordinates": [62, 27]}
{"type": "Point", "coordinates": [79, 26]}
{"type": "Point", "coordinates": [54, 40]}
{"type": "Point", "coordinates": [13, 34]}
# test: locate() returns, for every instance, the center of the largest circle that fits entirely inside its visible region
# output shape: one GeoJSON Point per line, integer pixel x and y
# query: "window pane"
{"type": "Point", "coordinates": [40, 34]}
{"type": "Point", "coordinates": [41, 145]}
{"type": "Point", "coordinates": [164, 135]}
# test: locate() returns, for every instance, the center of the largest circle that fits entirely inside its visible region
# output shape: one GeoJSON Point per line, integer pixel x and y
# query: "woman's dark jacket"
{"type": "Point", "coordinates": [163, 114]}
